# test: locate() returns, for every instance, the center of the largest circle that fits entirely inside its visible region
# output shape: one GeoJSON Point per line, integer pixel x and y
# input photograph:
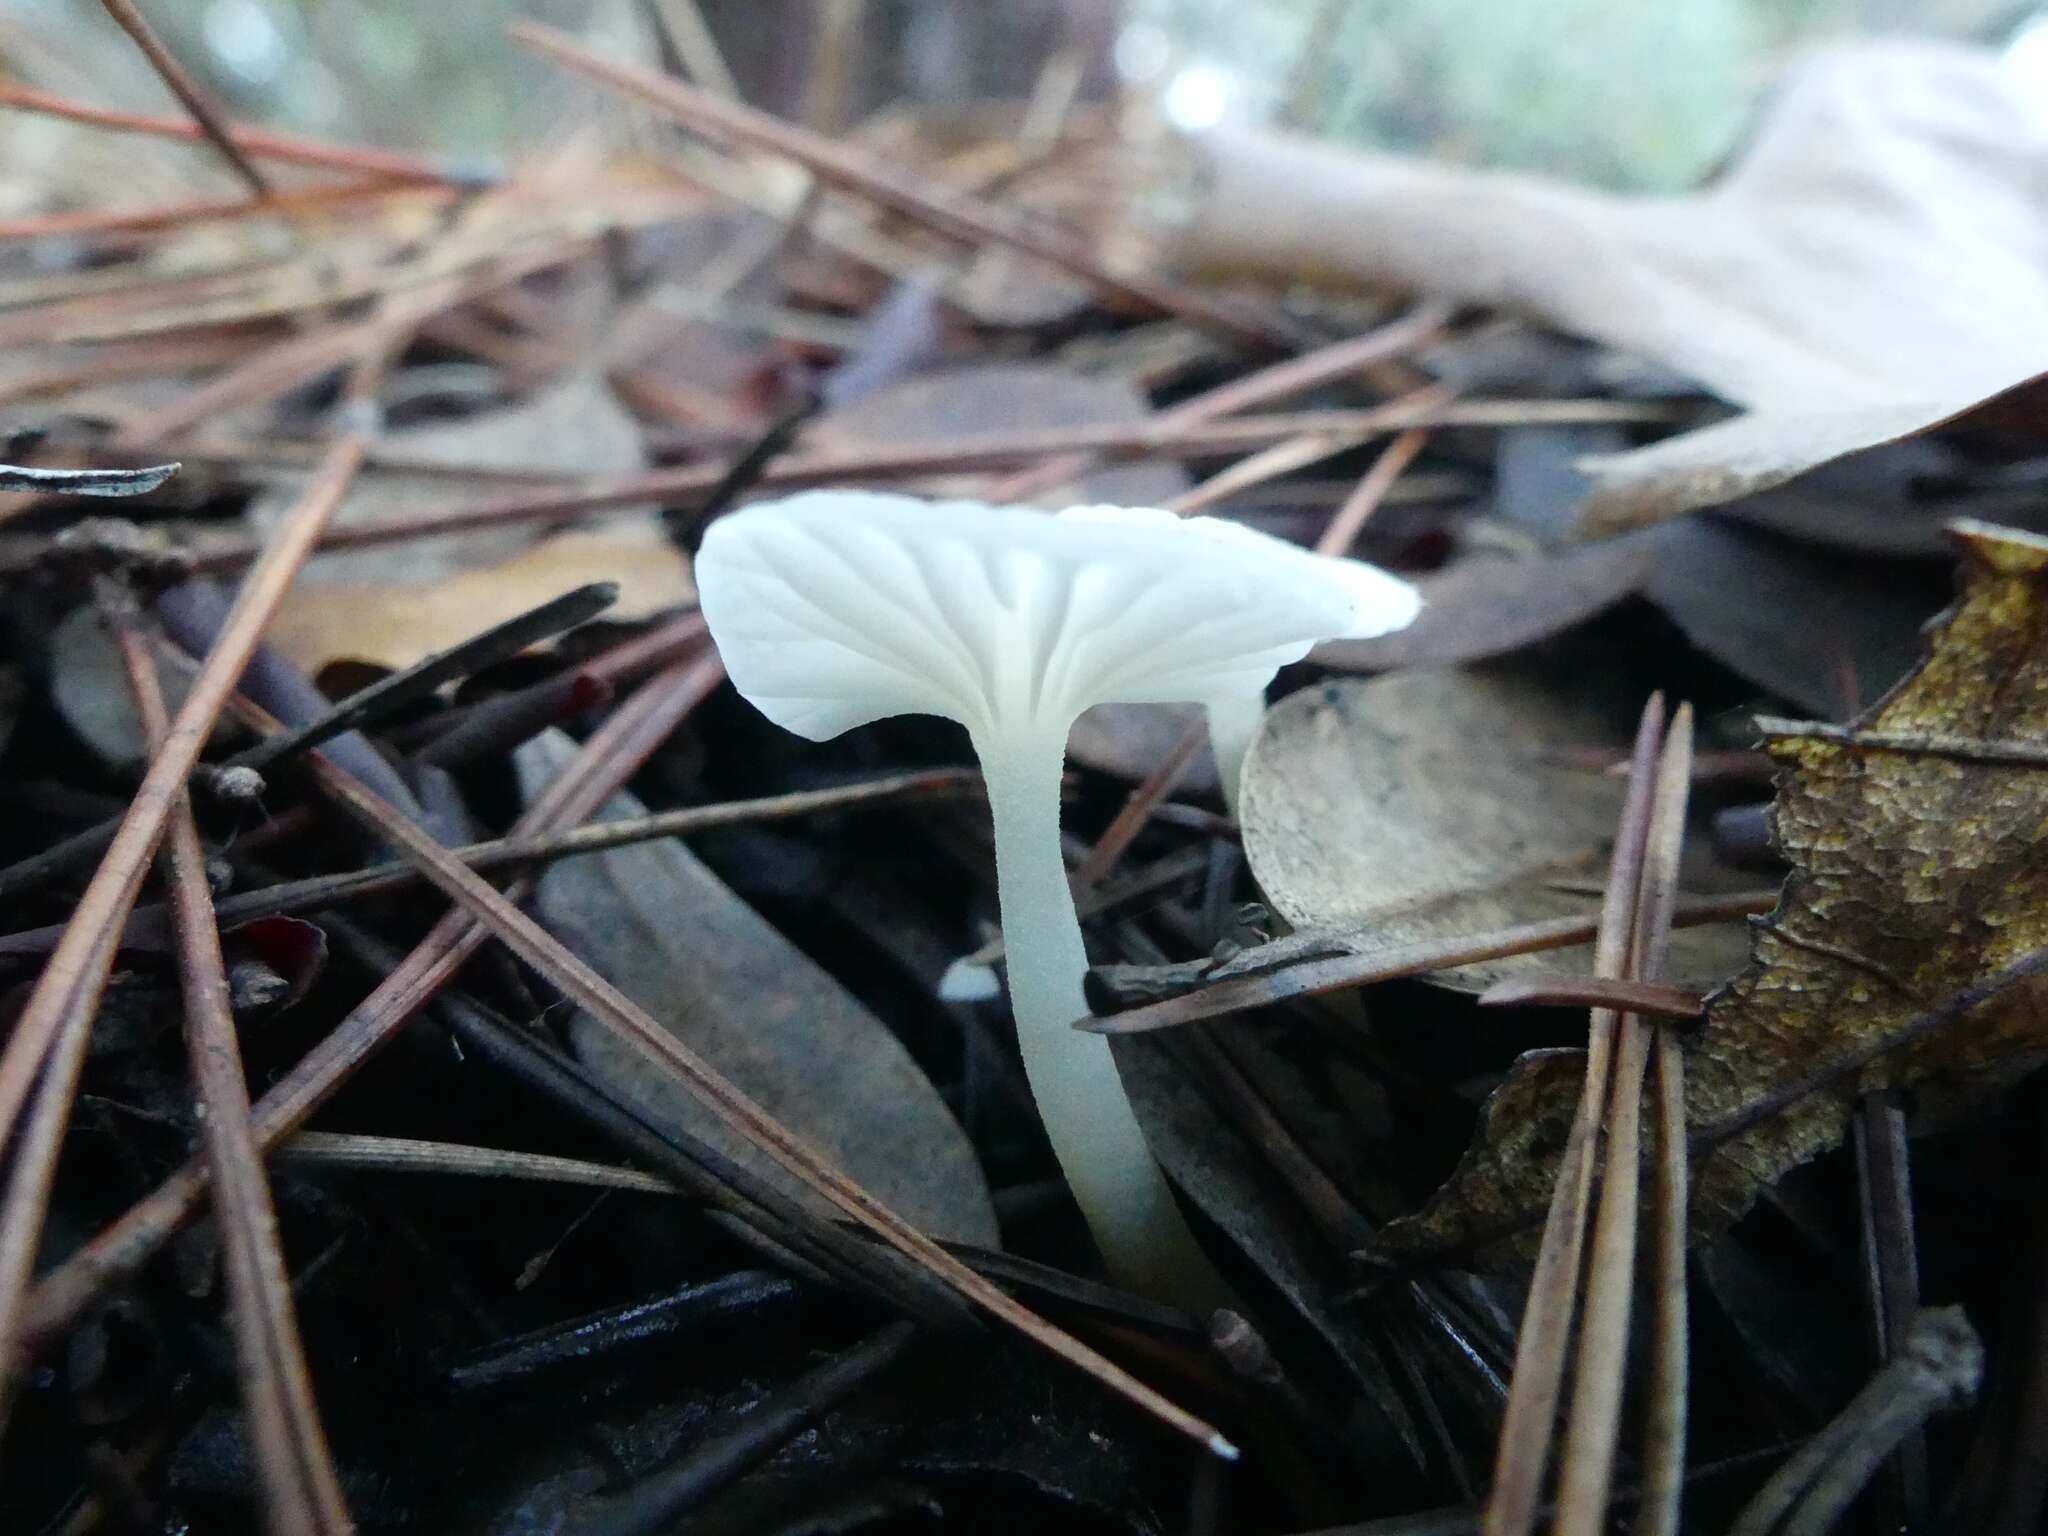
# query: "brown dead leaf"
{"type": "Point", "coordinates": [394, 627]}
{"type": "Point", "coordinates": [1866, 270]}
{"type": "Point", "coordinates": [1767, 448]}
{"type": "Point", "coordinates": [1915, 875]}
{"type": "Point", "coordinates": [1420, 806]}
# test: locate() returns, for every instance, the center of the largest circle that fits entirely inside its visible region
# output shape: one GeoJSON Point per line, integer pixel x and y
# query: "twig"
{"type": "Point", "coordinates": [186, 89]}
{"type": "Point", "coordinates": [1653, 999]}
{"type": "Point", "coordinates": [402, 1154]}
{"type": "Point", "coordinates": [1341, 973]}
{"type": "Point", "coordinates": [958, 455]}
{"type": "Point", "coordinates": [1937, 1370]}
{"type": "Point", "coordinates": [949, 213]}
{"type": "Point", "coordinates": [1137, 810]}
{"type": "Point", "coordinates": [257, 143]}
{"type": "Point", "coordinates": [634, 1027]}
{"type": "Point", "coordinates": [1585, 1479]}
{"type": "Point", "coordinates": [319, 893]}
{"type": "Point", "coordinates": [47, 1047]}
{"type": "Point", "coordinates": [1545, 1334]}
{"type": "Point", "coordinates": [1913, 743]}
{"type": "Point", "coordinates": [1276, 381]}
{"type": "Point", "coordinates": [1891, 1277]}
{"type": "Point", "coordinates": [301, 1491]}
{"type": "Point", "coordinates": [1344, 527]}
{"type": "Point", "coordinates": [91, 223]}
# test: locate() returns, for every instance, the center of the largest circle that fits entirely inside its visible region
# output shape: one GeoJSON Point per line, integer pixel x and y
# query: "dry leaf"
{"type": "Point", "coordinates": [1417, 806]}
{"type": "Point", "coordinates": [1914, 876]}
{"type": "Point", "coordinates": [394, 627]}
{"type": "Point", "coordinates": [675, 938]}
{"type": "Point", "coordinates": [1867, 269]}
{"type": "Point", "coordinates": [1769, 447]}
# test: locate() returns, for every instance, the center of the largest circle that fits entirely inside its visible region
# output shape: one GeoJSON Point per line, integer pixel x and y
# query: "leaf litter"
{"type": "Point", "coordinates": [562, 366]}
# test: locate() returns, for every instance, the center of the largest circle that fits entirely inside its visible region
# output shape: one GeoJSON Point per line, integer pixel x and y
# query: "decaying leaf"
{"type": "Point", "coordinates": [1915, 874]}
{"type": "Point", "coordinates": [667, 931]}
{"type": "Point", "coordinates": [1418, 806]}
{"type": "Point", "coordinates": [394, 627]}
{"type": "Point", "coordinates": [1865, 271]}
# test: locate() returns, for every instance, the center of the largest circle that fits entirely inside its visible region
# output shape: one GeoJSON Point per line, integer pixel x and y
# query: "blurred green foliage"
{"type": "Point", "coordinates": [1643, 94]}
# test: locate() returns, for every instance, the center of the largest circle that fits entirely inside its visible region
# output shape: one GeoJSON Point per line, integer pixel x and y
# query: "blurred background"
{"type": "Point", "coordinates": [1615, 92]}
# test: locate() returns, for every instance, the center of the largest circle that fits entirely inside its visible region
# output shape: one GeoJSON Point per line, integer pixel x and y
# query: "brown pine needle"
{"type": "Point", "coordinates": [174, 75]}
{"type": "Point", "coordinates": [1545, 1335]}
{"type": "Point", "coordinates": [949, 213]}
{"type": "Point", "coordinates": [1349, 520]}
{"type": "Point", "coordinates": [1276, 381]}
{"type": "Point", "coordinates": [47, 1048]}
{"type": "Point", "coordinates": [612, 755]}
{"type": "Point", "coordinates": [690, 484]}
{"type": "Point", "coordinates": [301, 1491]}
{"type": "Point", "coordinates": [257, 143]}
{"type": "Point", "coordinates": [1654, 999]}
{"type": "Point", "coordinates": [1342, 973]}
{"type": "Point", "coordinates": [405, 1154]}
{"type": "Point", "coordinates": [605, 1003]}
{"type": "Point", "coordinates": [1587, 1474]}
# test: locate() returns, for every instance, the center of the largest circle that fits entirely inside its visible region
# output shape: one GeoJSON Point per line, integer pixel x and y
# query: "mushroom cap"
{"type": "Point", "coordinates": [835, 608]}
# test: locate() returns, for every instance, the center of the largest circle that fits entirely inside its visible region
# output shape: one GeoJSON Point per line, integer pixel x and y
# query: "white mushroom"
{"type": "Point", "coordinates": [836, 608]}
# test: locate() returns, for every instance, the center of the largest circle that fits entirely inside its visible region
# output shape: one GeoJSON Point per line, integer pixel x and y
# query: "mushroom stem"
{"type": "Point", "coordinates": [1121, 1191]}
{"type": "Point", "coordinates": [1234, 720]}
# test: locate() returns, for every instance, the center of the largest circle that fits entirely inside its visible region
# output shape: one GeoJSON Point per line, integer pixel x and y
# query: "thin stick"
{"type": "Point", "coordinates": [257, 143]}
{"type": "Point", "coordinates": [1137, 810]}
{"type": "Point", "coordinates": [301, 1491]}
{"type": "Point", "coordinates": [1276, 381]}
{"type": "Point", "coordinates": [1670, 1358]}
{"type": "Point", "coordinates": [1653, 999]}
{"type": "Point", "coordinates": [1342, 973]}
{"type": "Point", "coordinates": [1343, 529]}
{"type": "Point", "coordinates": [322, 892]}
{"type": "Point", "coordinates": [186, 89]}
{"type": "Point", "coordinates": [634, 1027]}
{"type": "Point", "coordinates": [47, 1047]}
{"type": "Point", "coordinates": [1545, 1334]}
{"type": "Point", "coordinates": [1967, 749]}
{"type": "Point", "coordinates": [1586, 1478]}
{"type": "Point", "coordinates": [949, 213]}
{"type": "Point", "coordinates": [693, 483]}
{"type": "Point", "coordinates": [402, 1154]}
{"type": "Point", "coordinates": [92, 222]}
